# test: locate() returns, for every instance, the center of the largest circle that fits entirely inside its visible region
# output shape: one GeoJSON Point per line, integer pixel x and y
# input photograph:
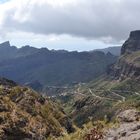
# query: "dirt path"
{"type": "Point", "coordinates": [137, 93]}
{"type": "Point", "coordinates": [94, 94]}
{"type": "Point", "coordinates": [123, 98]}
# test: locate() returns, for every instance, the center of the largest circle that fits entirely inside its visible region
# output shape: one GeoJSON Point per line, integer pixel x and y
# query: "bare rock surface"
{"type": "Point", "coordinates": [132, 44]}
{"type": "Point", "coordinates": [129, 128]}
{"type": "Point", "coordinates": [130, 115]}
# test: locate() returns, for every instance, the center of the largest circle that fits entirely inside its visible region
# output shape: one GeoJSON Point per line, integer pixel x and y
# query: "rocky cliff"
{"type": "Point", "coordinates": [132, 44]}
{"type": "Point", "coordinates": [128, 64]}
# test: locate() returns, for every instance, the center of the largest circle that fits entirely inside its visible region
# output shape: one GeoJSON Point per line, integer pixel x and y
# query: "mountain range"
{"type": "Point", "coordinates": [105, 108]}
{"type": "Point", "coordinates": [29, 65]}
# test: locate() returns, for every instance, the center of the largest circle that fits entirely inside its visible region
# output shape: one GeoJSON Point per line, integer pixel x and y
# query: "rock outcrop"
{"type": "Point", "coordinates": [130, 115]}
{"type": "Point", "coordinates": [132, 44]}
{"type": "Point", "coordinates": [129, 128]}
{"type": "Point", "coordinates": [128, 65]}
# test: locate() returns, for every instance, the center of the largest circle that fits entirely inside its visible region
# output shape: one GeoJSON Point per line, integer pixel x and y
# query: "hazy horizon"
{"type": "Point", "coordinates": [61, 48]}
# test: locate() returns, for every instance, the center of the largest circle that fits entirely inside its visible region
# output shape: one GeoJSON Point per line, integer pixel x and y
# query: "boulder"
{"type": "Point", "coordinates": [129, 128]}
{"type": "Point", "coordinates": [130, 115]}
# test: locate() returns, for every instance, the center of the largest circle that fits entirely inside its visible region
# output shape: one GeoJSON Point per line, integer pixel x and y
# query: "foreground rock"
{"type": "Point", "coordinates": [129, 128]}
{"type": "Point", "coordinates": [128, 65]}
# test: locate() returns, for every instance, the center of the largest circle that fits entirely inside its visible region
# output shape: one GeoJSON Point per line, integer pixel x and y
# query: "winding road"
{"type": "Point", "coordinates": [93, 91]}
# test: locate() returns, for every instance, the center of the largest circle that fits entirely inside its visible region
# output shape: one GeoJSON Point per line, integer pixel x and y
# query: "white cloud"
{"type": "Point", "coordinates": [105, 20]}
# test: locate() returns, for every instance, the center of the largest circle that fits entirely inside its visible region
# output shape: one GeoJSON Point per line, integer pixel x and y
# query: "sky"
{"type": "Point", "coordinates": [68, 24]}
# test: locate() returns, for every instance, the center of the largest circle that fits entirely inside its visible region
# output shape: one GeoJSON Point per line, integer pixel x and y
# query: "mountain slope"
{"type": "Point", "coordinates": [24, 114]}
{"type": "Point", "coordinates": [118, 89]}
{"type": "Point", "coordinates": [53, 67]}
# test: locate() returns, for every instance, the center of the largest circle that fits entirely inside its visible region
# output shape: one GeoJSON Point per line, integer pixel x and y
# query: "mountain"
{"type": "Point", "coordinates": [24, 114]}
{"type": "Point", "coordinates": [26, 50]}
{"type": "Point", "coordinates": [50, 67]}
{"type": "Point", "coordinates": [7, 51]}
{"type": "Point", "coordinates": [116, 50]}
{"type": "Point", "coordinates": [107, 107]}
{"type": "Point", "coordinates": [128, 64]}
{"type": "Point", "coordinates": [115, 91]}
{"type": "Point", "coordinates": [132, 44]}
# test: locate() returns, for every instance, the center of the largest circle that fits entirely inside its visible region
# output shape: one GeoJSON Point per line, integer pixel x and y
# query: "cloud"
{"type": "Point", "coordinates": [106, 20]}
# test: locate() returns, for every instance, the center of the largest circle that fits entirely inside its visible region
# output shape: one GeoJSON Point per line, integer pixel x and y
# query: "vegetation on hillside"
{"type": "Point", "coordinates": [26, 114]}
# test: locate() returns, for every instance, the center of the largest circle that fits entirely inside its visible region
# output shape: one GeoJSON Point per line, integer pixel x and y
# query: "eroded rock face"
{"type": "Point", "coordinates": [132, 44]}
{"type": "Point", "coordinates": [124, 69]}
{"type": "Point", "coordinates": [129, 128]}
{"type": "Point", "coordinates": [128, 65]}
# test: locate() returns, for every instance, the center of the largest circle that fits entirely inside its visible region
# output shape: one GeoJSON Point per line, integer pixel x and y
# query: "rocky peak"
{"type": "Point", "coordinates": [132, 44]}
{"type": "Point", "coordinates": [5, 44]}
{"type": "Point", "coordinates": [128, 65]}
{"type": "Point", "coordinates": [27, 48]}
{"type": "Point", "coordinates": [135, 34]}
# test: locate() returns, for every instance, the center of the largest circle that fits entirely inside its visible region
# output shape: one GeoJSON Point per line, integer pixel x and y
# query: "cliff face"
{"type": "Point", "coordinates": [128, 64]}
{"type": "Point", "coordinates": [132, 44]}
{"type": "Point", "coordinates": [24, 114]}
